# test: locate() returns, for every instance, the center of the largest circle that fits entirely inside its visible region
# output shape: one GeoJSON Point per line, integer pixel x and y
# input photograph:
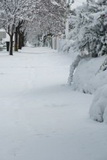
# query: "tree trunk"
{"type": "Point", "coordinates": [11, 45]}
{"type": "Point", "coordinates": [23, 39]}
{"type": "Point", "coordinates": [20, 41]}
{"type": "Point", "coordinates": [16, 40]}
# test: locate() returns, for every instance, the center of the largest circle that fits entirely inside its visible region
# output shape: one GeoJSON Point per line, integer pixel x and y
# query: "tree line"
{"type": "Point", "coordinates": [24, 18]}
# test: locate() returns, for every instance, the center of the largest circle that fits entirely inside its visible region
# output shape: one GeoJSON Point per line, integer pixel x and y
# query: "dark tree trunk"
{"type": "Point", "coordinates": [11, 45]}
{"type": "Point", "coordinates": [16, 40]}
{"type": "Point", "coordinates": [23, 39]}
{"type": "Point", "coordinates": [7, 46]}
{"type": "Point", "coordinates": [20, 41]}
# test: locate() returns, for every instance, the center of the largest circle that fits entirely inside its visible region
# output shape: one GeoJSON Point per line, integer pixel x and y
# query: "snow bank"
{"type": "Point", "coordinates": [87, 77]}
{"type": "Point", "coordinates": [98, 109]}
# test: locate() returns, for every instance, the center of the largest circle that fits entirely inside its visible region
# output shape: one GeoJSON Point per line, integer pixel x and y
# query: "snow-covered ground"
{"type": "Point", "coordinates": [41, 118]}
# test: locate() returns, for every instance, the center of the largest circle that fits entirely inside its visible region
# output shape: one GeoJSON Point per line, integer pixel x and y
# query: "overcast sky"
{"type": "Point", "coordinates": [78, 2]}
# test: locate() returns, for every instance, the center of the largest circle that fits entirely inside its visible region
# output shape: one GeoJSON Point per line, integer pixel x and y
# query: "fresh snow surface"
{"type": "Point", "coordinates": [41, 118]}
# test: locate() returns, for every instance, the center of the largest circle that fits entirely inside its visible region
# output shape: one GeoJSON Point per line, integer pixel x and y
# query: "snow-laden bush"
{"type": "Point", "coordinates": [89, 75]}
{"type": "Point", "coordinates": [65, 45]}
{"type": "Point", "coordinates": [98, 109]}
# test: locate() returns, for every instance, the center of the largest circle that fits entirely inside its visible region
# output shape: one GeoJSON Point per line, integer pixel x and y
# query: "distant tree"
{"type": "Point", "coordinates": [14, 11]}
{"type": "Point", "coordinates": [48, 17]}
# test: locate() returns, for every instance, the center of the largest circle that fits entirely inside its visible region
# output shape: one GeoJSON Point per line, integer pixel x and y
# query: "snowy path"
{"type": "Point", "coordinates": [41, 118]}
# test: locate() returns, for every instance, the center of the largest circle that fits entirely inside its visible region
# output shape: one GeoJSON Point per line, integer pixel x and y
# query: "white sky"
{"type": "Point", "coordinates": [77, 3]}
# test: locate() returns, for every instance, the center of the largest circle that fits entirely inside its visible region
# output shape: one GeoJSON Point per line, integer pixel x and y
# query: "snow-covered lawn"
{"type": "Point", "coordinates": [41, 118]}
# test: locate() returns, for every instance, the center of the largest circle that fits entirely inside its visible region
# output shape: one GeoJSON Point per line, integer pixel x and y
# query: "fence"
{"type": "Point", "coordinates": [59, 43]}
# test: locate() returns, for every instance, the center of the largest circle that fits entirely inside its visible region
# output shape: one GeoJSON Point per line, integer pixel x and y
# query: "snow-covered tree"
{"type": "Point", "coordinates": [89, 27]}
{"type": "Point", "coordinates": [14, 11]}
{"type": "Point", "coordinates": [48, 18]}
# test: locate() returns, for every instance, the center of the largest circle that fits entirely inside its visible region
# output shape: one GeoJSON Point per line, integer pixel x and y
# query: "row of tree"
{"type": "Point", "coordinates": [25, 18]}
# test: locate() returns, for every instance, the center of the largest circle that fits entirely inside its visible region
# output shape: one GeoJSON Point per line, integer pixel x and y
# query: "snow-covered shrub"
{"type": "Point", "coordinates": [98, 109]}
{"type": "Point", "coordinates": [74, 65]}
{"type": "Point", "coordinates": [88, 76]}
{"type": "Point", "coordinates": [65, 45]}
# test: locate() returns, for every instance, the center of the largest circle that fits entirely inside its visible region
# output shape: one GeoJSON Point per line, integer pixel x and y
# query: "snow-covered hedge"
{"type": "Point", "coordinates": [98, 109]}
{"type": "Point", "coordinates": [89, 76]}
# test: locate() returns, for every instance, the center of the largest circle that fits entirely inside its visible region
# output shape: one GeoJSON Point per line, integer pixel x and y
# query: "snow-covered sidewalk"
{"type": "Point", "coordinates": [41, 118]}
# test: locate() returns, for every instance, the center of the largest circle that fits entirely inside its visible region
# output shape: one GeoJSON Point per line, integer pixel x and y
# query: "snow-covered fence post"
{"type": "Point", "coordinates": [58, 39]}
{"type": "Point", "coordinates": [54, 42]}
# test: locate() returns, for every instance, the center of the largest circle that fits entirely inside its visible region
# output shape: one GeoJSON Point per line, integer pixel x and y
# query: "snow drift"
{"type": "Point", "coordinates": [88, 76]}
{"type": "Point", "coordinates": [98, 109]}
